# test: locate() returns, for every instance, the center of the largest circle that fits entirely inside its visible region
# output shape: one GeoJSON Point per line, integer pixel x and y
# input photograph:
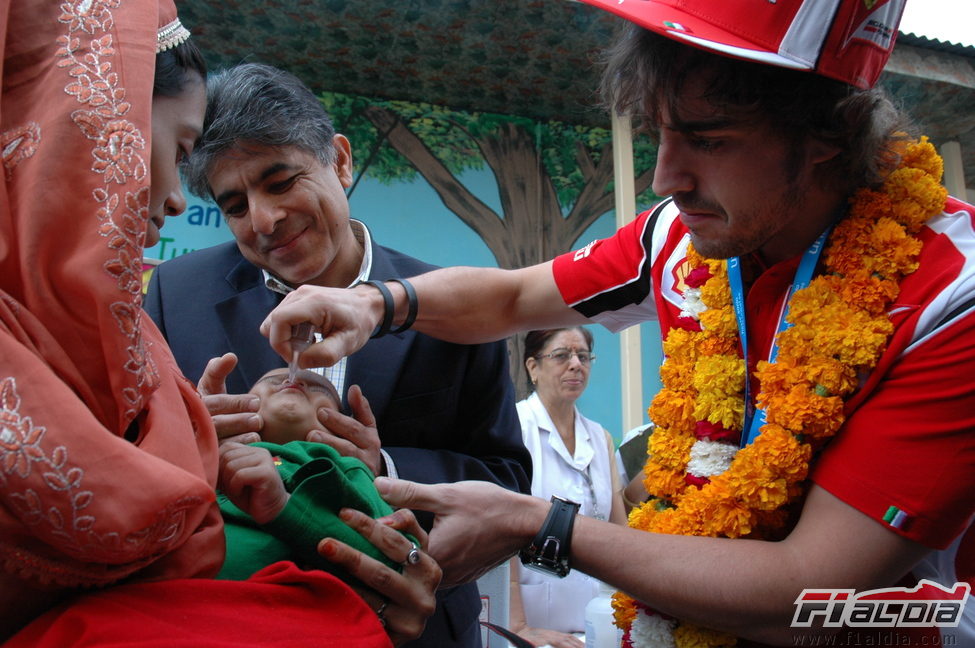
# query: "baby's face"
{"type": "Point", "coordinates": [289, 409]}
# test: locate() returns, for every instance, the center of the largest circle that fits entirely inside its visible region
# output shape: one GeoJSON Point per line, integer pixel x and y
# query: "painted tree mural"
{"type": "Point", "coordinates": [554, 179]}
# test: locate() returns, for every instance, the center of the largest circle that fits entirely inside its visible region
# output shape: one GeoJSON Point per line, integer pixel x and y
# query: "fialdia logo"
{"type": "Point", "coordinates": [927, 605]}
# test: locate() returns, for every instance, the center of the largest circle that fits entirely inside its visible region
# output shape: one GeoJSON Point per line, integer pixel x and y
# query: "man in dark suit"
{"type": "Point", "coordinates": [445, 412]}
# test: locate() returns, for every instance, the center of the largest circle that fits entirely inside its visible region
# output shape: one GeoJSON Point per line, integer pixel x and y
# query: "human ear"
{"type": "Point", "coordinates": [343, 159]}
{"type": "Point", "coordinates": [530, 364]}
{"type": "Point", "coordinates": [818, 151]}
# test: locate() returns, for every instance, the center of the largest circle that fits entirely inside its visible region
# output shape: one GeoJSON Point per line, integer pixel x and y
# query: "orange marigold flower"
{"type": "Point", "coordinates": [671, 523]}
{"type": "Point", "coordinates": [800, 410]}
{"type": "Point", "coordinates": [663, 481]}
{"type": "Point", "coordinates": [718, 510]}
{"type": "Point", "coordinates": [677, 376]}
{"type": "Point", "coordinates": [641, 517]}
{"type": "Point", "coordinates": [847, 245]}
{"type": "Point", "coordinates": [780, 375]}
{"type": "Point", "coordinates": [866, 291]}
{"type": "Point", "coordinates": [922, 155]}
{"type": "Point", "coordinates": [900, 248]}
{"type": "Point", "coordinates": [713, 345]}
{"type": "Point", "coordinates": [782, 452]}
{"type": "Point", "coordinates": [916, 197]}
{"type": "Point", "coordinates": [624, 610]}
{"type": "Point", "coordinates": [673, 409]}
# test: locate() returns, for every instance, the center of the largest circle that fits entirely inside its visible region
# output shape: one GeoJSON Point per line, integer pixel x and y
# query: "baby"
{"type": "Point", "coordinates": [279, 497]}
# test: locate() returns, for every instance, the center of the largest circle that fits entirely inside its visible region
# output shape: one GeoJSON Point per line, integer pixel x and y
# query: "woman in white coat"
{"type": "Point", "coordinates": [572, 457]}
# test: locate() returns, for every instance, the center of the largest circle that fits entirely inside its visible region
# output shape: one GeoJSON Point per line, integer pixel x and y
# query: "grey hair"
{"type": "Point", "coordinates": [258, 104]}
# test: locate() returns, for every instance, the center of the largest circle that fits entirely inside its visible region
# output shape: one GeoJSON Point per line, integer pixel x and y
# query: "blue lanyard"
{"type": "Point", "coordinates": [755, 416]}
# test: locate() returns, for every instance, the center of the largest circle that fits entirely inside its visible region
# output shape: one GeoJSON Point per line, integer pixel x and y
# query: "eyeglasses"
{"type": "Point", "coordinates": [561, 356]}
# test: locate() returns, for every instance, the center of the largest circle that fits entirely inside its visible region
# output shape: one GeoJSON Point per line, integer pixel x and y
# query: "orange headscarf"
{"type": "Point", "coordinates": [107, 454]}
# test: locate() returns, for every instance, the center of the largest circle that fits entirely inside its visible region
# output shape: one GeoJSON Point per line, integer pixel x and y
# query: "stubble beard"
{"type": "Point", "coordinates": [763, 224]}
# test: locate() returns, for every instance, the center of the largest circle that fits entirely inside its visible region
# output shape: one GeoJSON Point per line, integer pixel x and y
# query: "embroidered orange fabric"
{"type": "Point", "coordinates": [80, 365]}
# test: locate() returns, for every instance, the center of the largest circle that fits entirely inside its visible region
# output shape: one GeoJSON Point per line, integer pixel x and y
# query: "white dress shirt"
{"type": "Point", "coordinates": [584, 477]}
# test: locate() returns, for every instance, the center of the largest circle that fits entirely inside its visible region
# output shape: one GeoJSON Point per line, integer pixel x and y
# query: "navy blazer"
{"type": "Point", "coordinates": [445, 412]}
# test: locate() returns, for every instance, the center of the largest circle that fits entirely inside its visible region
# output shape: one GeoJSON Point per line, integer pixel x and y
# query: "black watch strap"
{"type": "Point", "coordinates": [549, 551]}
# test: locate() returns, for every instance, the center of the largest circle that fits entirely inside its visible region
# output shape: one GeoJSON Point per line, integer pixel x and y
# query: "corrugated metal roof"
{"type": "Point", "coordinates": [910, 38]}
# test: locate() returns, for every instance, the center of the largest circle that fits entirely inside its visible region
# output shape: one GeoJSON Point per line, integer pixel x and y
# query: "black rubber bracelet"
{"type": "Point", "coordinates": [388, 305]}
{"type": "Point", "coordinates": [413, 305]}
{"type": "Point", "coordinates": [550, 550]}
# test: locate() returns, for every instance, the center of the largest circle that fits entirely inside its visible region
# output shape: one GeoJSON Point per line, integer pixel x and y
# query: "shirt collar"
{"type": "Point", "coordinates": [361, 233]}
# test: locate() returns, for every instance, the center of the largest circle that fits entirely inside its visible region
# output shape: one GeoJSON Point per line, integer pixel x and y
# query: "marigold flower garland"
{"type": "Point", "coordinates": [700, 483]}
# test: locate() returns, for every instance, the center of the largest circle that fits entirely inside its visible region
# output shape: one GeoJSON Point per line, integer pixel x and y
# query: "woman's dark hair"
{"type": "Point", "coordinates": [645, 73]}
{"type": "Point", "coordinates": [173, 65]}
{"type": "Point", "coordinates": [535, 341]}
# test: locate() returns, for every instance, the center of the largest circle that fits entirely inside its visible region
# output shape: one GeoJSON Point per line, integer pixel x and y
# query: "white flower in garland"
{"type": "Point", "coordinates": [710, 457]}
{"type": "Point", "coordinates": [692, 306]}
{"type": "Point", "coordinates": [652, 631]}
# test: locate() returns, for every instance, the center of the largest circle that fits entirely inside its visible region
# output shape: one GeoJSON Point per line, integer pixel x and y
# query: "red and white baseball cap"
{"type": "Point", "coordinates": [848, 40]}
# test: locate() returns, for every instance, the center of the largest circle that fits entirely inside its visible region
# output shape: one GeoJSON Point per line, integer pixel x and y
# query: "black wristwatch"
{"type": "Point", "coordinates": [549, 551]}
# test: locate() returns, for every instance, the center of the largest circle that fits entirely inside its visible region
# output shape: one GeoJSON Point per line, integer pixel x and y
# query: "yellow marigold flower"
{"type": "Point", "coordinates": [860, 341]}
{"type": "Point", "coordinates": [720, 374]}
{"type": "Point", "coordinates": [681, 345]}
{"type": "Point", "coordinates": [670, 450]}
{"type": "Point", "coordinates": [691, 636]}
{"type": "Point", "coordinates": [693, 258]}
{"type": "Point", "coordinates": [716, 294]}
{"type": "Point", "coordinates": [720, 322]}
{"type": "Point", "coordinates": [718, 268]}
{"type": "Point", "coordinates": [727, 410]}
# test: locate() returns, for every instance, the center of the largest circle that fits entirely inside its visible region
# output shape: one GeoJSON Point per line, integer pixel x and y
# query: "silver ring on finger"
{"type": "Point", "coordinates": [413, 557]}
{"type": "Point", "coordinates": [381, 613]}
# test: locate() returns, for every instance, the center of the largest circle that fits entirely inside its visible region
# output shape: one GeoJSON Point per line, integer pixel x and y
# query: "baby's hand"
{"type": "Point", "coordinates": [248, 477]}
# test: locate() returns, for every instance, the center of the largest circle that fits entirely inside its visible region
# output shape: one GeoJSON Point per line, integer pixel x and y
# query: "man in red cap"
{"type": "Point", "coordinates": [811, 467]}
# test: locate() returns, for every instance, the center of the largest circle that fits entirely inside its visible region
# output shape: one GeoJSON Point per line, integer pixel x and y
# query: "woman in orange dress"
{"type": "Point", "coordinates": [108, 457]}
